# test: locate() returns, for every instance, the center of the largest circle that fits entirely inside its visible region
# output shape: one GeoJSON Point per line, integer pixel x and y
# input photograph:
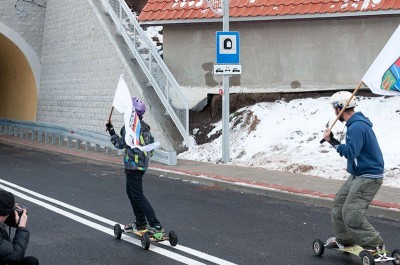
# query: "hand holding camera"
{"type": "Point", "coordinates": [18, 218]}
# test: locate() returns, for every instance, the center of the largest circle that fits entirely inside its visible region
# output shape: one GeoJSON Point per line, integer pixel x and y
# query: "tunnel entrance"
{"type": "Point", "coordinates": [18, 92]}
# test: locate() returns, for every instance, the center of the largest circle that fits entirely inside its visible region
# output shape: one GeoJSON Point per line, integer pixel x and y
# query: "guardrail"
{"type": "Point", "coordinates": [72, 138]}
{"type": "Point", "coordinates": [153, 66]}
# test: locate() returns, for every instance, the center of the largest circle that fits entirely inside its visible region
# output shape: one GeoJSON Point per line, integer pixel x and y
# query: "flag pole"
{"type": "Point", "coordinates": [109, 117]}
{"type": "Point", "coordinates": [344, 107]}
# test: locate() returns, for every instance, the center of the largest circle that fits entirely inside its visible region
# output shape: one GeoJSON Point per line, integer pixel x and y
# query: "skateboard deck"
{"type": "Point", "coordinates": [367, 257]}
{"type": "Point", "coordinates": [147, 236]}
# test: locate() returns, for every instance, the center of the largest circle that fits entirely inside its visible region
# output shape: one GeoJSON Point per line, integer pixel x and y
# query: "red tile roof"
{"type": "Point", "coordinates": [178, 10]}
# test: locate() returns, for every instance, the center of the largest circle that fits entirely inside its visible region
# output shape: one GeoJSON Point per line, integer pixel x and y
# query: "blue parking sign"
{"type": "Point", "coordinates": [228, 47]}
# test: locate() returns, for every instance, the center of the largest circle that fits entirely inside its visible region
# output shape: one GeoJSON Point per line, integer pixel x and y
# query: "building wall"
{"type": "Point", "coordinates": [21, 34]}
{"type": "Point", "coordinates": [26, 19]}
{"type": "Point", "coordinates": [60, 63]}
{"type": "Point", "coordinates": [17, 83]}
{"type": "Point", "coordinates": [79, 62]}
{"type": "Point", "coordinates": [81, 68]}
{"type": "Point", "coordinates": [289, 55]}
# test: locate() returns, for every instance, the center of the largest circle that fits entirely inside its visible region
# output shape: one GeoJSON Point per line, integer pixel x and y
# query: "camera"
{"type": "Point", "coordinates": [10, 221]}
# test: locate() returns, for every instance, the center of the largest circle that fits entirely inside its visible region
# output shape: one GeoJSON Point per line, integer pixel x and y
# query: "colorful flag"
{"type": "Point", "coordinates": [123, 103]}
{"type": "Point", "coordinates": [383, 76]}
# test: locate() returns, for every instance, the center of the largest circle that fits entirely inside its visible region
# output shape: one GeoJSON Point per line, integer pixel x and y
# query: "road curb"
{"type": "Point", "coordinates": [377, 208]}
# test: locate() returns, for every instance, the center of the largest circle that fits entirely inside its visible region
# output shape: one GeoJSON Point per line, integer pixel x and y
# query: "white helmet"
{"type": "Point", "coordinates": [339, 99]}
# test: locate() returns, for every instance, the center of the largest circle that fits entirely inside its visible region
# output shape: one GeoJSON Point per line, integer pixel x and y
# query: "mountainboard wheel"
{"type": "Point", "coordinates": [173, 238]}
{"type": "Point", "coordinates": [396, 255]}
{"type": "Point", "coordinates": [367, 258]}
{"type": "Point", "coordinates": [145, 240]}
{"type": "Point", "coordinates": [318, 247]}
{"type": "Point", "coordinates": [117, 231]}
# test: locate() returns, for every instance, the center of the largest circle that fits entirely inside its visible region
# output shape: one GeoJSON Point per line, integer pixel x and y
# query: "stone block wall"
{"type": "Point", "coordinates": [81, 66]}
{"type": "Point", "coordinates": [76, 58]}
{"type": "Point", "coordinates": [26, 19]}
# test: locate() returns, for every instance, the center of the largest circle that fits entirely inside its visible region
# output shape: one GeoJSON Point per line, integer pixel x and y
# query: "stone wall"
{"type": "Point", "coordinates": [72, 58]}
{"type": "Point", "coordinates": [26, 19]}
{"type": "Point", "coordinates": [81, 65]}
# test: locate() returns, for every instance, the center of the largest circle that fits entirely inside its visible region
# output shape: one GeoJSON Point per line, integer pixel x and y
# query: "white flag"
{"type": "Point", "coordinates": [383, 76]}
{"type": "Point", "coordinates": [122, 98]}
{"type": "Point", "coordinates": [123, 103]}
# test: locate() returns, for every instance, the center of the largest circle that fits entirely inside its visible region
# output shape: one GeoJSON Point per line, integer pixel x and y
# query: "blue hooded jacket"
{"type": "Point", "coordinates": [364, 156]}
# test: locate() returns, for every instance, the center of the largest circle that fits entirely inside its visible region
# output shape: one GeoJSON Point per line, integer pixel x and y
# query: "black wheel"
{"type": "Point", "coordinates": [367, 258]}
{"type": "Point", "coordinates": [145, 240]}
{"type": "Point", "coordinates": [318, 247]}
{"type": "Point", "coordinates": [117, 231]}
{"type": "Point", "coordinates": [173, 238]}
{"type": "Point", "coordinates": [396, 255]}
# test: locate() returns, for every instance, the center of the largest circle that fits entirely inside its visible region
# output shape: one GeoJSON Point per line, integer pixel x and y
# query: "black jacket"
{"type": "Point", "coordinates": [135, 159]}
{"type": "Point", "coordinates": [13, 251]}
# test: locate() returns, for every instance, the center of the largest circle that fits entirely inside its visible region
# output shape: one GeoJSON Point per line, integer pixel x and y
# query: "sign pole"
{"type": "Point", "coordinates": [225, 96]}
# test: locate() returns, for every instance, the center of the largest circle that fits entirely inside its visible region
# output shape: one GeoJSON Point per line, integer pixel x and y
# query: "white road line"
{"type": "Point", "coordinates": [106, 230]}
{"type": "Point", "coordinates": [101, 228]}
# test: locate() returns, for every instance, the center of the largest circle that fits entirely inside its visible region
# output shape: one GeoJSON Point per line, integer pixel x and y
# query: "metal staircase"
{"type": "Point", "coordinates": [160, 78]}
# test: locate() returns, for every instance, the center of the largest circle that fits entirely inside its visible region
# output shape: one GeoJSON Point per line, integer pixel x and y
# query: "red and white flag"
{"type": "Point", "coordinates": [383, 76]}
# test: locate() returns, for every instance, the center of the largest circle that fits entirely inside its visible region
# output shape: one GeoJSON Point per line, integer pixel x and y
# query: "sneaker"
{"type": "Point", "coordinates": [332, 243]}
{"type": "Point", "coordinates": [379, 250]}
{"type": "Point", "coordinates": [156, 228]}
{"type": "Point", "coordinates": [129, 226]}
{"type": "Point", "coordinates": [141, 227]}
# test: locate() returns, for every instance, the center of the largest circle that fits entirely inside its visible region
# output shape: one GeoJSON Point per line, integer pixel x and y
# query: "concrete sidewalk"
{"type": "Point", "coordinates": [302, 188]}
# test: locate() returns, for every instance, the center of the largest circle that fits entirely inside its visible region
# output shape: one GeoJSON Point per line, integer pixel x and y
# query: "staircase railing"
{"type": "Point", "coordinates": [153, 66]}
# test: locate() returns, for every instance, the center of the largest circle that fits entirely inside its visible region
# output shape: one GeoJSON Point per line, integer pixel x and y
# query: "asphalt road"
{"type": "Point", "coordinates": [73, 203]}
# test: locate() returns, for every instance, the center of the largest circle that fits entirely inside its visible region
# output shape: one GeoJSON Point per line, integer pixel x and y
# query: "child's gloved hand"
{"type": "Point", "coordinates": [110, 128]}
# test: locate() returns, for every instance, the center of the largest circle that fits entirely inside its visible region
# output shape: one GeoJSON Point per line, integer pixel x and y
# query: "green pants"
{"type": "Point", "coordinates": [349, 212]}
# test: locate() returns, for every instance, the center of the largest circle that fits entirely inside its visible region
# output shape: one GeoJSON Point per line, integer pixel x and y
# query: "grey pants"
{"type": "Point", "coordinates": [349, 212]}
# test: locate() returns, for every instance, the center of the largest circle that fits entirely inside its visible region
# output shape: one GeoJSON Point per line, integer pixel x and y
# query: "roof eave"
{"type": "Point", "coordinates": [266, 18]}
